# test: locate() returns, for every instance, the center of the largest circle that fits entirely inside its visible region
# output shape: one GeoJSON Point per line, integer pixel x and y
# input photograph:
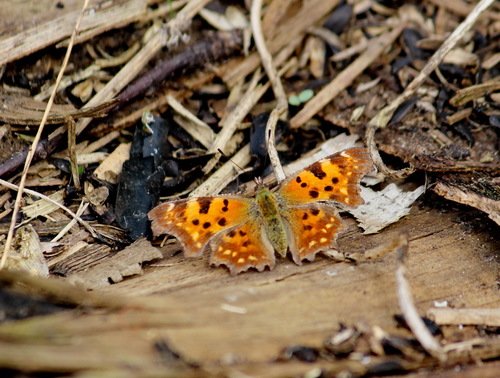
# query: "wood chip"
{"type": "Point", "coordinates": [384, 207]}
{"type": "Point", "coordinates": [125, 263]}
{"type": "Point", "coordinates": [26, 253]}
{"type": "Point", "coordinates": [111, 167]}
{"type": "Point", "coordinates": [466, 316]}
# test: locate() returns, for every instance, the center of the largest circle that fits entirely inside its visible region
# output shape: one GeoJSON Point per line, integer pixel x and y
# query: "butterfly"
{"type": "Point", "coordinates": [243, 233]}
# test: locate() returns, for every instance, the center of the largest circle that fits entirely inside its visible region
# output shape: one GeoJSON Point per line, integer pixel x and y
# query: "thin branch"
{"type": "Point", "coordinates": [38, 135]}
{"type": "Point", "coordinates": [265, 56]}
{"type": "Point", "coordinates": [55, 203]}
{"type": "Point", "coordinates": [383, 117]}
{"type": "Point", "coordinates": [282, 103]}
{"type": "Point", "coordinates": [270, 143]}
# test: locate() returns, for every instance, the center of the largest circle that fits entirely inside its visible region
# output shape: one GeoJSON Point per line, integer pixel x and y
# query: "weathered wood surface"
{"type": "Point", "coordinates": [302, 304]}
{"type": "Point", "coordinates": [214, 319]}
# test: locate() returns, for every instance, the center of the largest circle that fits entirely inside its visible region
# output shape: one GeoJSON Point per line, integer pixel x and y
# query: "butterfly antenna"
{"type": "Point", "coordinates": [231, 160]}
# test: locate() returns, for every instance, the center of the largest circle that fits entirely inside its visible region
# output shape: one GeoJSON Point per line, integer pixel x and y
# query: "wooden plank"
{"type": "Point", "coordinates": [301, 304]}
{"type": "Point", "coordinates": [213, 318]}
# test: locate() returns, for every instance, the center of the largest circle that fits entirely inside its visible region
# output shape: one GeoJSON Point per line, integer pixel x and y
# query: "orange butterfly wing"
{"type": "Point", "coordinates": [194, 221]}
{"type": "Point", "coordinates": [233, 226]}
{"type": "Point", "coordinates": [313, 228]}
{"type": "Point", "coordinates": [243, 247]}
{"type": "Point", "coordinates": [230, 224]}
{"type": "Point", "coordinates": [313, 222]}
{"type": "Point", "coordinates": [335, 178]}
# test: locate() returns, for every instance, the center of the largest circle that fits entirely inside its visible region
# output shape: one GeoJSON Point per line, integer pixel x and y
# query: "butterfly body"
{"type": "Point", "coordinates": [245, 233]}
{"type": "Point", "coordinates": [270, 211]}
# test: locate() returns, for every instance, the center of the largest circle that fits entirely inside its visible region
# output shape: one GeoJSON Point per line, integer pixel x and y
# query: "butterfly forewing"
{"type": "Point", "coordinates": [195, 221]}
{"type": "Point", "coordinates": [335, 178]}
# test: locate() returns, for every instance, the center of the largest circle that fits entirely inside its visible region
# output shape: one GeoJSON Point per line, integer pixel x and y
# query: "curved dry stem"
{"type": "Point", "coordinates": [377, 159]}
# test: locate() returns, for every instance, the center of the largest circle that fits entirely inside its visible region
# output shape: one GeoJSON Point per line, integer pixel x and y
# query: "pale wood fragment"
{"type": "Point", "coordinates": [470, 198]}
{"type": "Point", "coordinates": [111, 167]}
{"type": "Point", "coordinates": [466, 316]}
{"type": "Point", "coordinates": [46, 34]}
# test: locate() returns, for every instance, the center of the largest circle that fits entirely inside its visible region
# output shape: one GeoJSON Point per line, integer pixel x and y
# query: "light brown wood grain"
{"type": "Point", "coordinates": [213, 318]}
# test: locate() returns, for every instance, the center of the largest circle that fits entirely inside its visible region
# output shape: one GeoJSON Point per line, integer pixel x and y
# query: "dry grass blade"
{"type": "Point", "coordinates": [383, 117]}
{"type": "Point", "coordinates": [282, 105]}
{"type": "Point", "coordinates": [265, 56]}
{"type": "Point", "coordinates": [55, 203]}
{"type": "Point", "coordinates": [346, 77]}
{"type": "Point", "coordinates": [38, 135]}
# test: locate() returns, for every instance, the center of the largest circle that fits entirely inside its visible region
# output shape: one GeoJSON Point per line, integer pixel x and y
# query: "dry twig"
{"type": "Point", "coordinates": [38, 135]}
{"type": "Point", "coordinates": [383, 116]}
{"type": "Point", "coordinates": [282, 103]}
{"type": "Point", "coordinates": [55, 203]}
{"type": "Point", "coordinates": [408, 308]}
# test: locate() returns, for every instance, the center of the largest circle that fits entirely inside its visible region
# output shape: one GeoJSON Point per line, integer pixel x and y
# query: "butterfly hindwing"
{"type": "Point", "coordinates": [243, 247]}
{"type": "Point", "coordinates": [312, 228]}
{"type": "Point", "coordinates": [335, 178]}
{"type": "Point", "coordinates": [194, 221]}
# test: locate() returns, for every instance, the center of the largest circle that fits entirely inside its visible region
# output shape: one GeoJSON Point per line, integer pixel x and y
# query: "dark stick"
{"type": "Point", "coordinates": [211, 49]}
{"type": "Point", "coordinates": [44, 149]}
{"type": "Point", "coordinates": [215, 47]}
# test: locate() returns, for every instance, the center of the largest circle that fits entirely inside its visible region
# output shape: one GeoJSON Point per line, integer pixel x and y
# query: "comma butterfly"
{"type": "Point", "coordinates": [244, 233]}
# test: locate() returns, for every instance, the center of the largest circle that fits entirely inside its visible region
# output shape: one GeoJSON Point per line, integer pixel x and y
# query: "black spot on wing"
{"type": "Point", "coordinates": [205, 205]}
{"type": "Point", "coordinates": [222, 222]}
{"type": "Point", "coordinates": [317, 171]}
{"type": "Point", "coordinates": [314, 193]}
{"type": "Point", "coordinates": [206, 225]}
{"type": "Point", "coordinates": [315, 212]}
